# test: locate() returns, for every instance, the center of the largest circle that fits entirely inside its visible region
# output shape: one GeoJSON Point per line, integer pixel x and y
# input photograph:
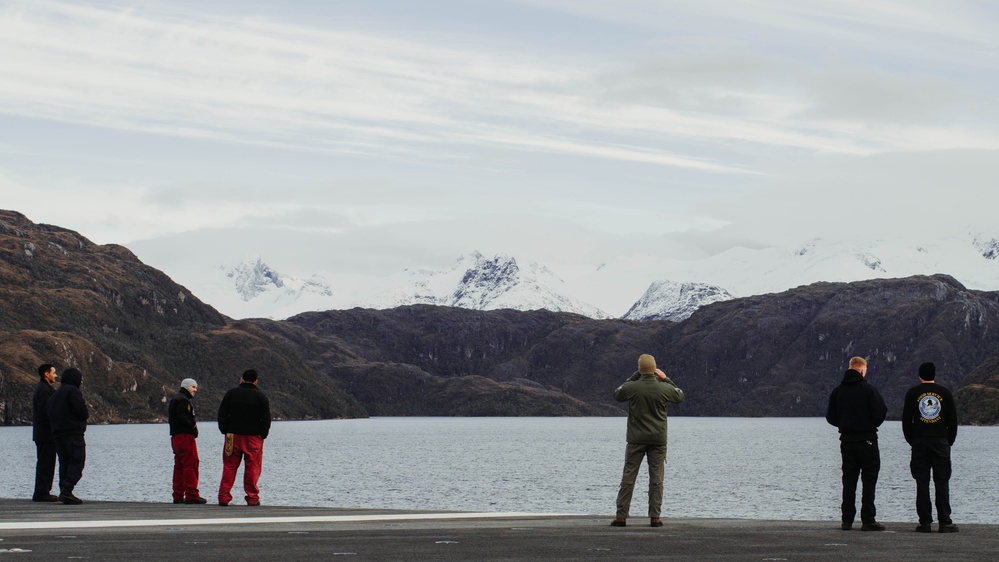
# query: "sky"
{"type": "Point", "coordinates": [394, 133]}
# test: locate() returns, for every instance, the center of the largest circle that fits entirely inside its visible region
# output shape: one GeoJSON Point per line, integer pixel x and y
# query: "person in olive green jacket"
{"type": "Point", "coordinates": [647, 392]}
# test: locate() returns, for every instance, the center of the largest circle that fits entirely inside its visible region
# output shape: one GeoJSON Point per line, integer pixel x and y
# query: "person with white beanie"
{"type": "Point", "coordinates": [183, 439]}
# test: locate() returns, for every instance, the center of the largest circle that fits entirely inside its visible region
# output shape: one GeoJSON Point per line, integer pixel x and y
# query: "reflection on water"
{"type": "Point", "coordinates": [758, 468]}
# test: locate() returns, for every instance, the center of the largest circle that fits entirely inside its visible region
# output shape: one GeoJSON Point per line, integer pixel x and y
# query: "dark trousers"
{"type": "Point", "coordinates": [931, 455]}
{"type": "Point", "coordinates": [72, 453]}
{"type": "Point", "coordinates": [44, 468]}
{"type": "Point", "coordinates": [860, 459]}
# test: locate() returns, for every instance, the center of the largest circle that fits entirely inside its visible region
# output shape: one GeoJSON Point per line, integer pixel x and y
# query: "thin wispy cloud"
{"type": "Point", "coordinates": [258, 81]}
{"type": "Point", "coordinates": [130, 119]}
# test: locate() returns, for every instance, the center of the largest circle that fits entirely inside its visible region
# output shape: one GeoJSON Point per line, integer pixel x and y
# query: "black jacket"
{"type": "Point", "coordinates": [929, 412]}
{"type": "Point", "coordinates": [181, 414]}
{"type": "Point", "coordinates": [41, 427]}
{"type": "Point", "coordinates": [67, 409]}
{"type": "Point", "coordinates": [245, 410]}
{"type": "Point", "coordinates": [856, 408]}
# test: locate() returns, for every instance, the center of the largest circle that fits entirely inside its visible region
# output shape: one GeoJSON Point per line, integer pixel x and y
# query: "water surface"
{"type": "Point", "coordinates": [758, 468]}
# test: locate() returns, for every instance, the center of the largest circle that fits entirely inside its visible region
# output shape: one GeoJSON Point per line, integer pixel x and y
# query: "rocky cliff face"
{"type": "Point", "coordinates": [133, 332]}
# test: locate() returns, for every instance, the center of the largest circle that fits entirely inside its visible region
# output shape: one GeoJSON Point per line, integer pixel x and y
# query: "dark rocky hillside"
{"type": "Point", "coordinates": [770, 355]}
{"type": "Point", "coordinates": [136, 334]}
{"type": "Point", "coordinates": [133, 332]}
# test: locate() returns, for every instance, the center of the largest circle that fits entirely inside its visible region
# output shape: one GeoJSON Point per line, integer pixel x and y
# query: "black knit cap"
{"type": "Point", "coordinates": [72, 376]}
{"type": "Point", "coordinates": [927, 371]}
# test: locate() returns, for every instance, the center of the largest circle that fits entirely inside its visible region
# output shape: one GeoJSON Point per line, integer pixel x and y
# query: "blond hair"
{"type": "Point", "coordinates": [857, 362]}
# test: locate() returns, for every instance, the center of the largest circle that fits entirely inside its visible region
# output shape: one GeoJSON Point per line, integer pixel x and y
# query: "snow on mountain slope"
{"type": "Point", "coordinates": [481, 283]}
{"type": "Point", "coordinates": [669, 300]}
{"type": "Point", "coordinates": [287, 283]}
{"type": "Point", "coordinates": [252, 289]}
{"type": "Point", "coordinates": [744, 272]}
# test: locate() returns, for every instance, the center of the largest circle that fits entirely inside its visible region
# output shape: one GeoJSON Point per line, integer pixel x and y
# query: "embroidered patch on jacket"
{"type": "Point", "coordinates": [929, 407]}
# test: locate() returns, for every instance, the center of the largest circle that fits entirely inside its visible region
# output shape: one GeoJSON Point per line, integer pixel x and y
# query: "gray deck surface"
{"type": "Point", "coordinates": [162, 531]}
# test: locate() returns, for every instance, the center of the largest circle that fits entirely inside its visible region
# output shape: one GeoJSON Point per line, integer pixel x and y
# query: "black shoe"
{"type": "Point", "coordinates": [194, 500]}
{"type": "Point", "coordinates": [48, 498]}
{"type": "Point", "coordinates": [872, 526]}
{"type": "Point", "coordinates": [948, 528]}
{"type": "Point", "coordinates": [178, 501]}
{"type": "Point", "coordinates": [924, 528]}
{"type": "Point", "coordinates": [656, 523]}
{"type": "Point", "coordinates": [846, 526]}
{"type": "Point", "coordinates": [253, 504]}
{"type": "Point", "coordinates": [69, 499]}
{"type": "Point", "coordinates": [222, 503]}
{"type": "Point", "coordinates": [619, 522]}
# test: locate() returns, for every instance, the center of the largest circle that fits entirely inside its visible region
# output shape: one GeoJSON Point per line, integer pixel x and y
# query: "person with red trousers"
{"type": "Point", "coordinates": [183, 440]}
{"type": "Point", "coordinates": [245, 420]}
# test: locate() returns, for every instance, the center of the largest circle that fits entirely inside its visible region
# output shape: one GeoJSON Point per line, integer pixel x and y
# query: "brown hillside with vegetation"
{"type": "Point", "coordinates": [133, 332]}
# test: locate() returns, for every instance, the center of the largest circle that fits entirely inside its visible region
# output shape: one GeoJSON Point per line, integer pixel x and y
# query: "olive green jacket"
{"type": "Point", "coordinates": [647, 397]}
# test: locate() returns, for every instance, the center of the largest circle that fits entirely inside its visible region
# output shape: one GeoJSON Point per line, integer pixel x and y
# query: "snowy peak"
{"type": "Point", "coordinates": [987, 246]}
{"type": "Point", "coordinates": [487, 281]}
{"type": "Point", "coordinates": [669, 300]}
{"type": "Point", "coordinates": [481, 283]}
{"type": "Point", "coordinates": [252, 278]}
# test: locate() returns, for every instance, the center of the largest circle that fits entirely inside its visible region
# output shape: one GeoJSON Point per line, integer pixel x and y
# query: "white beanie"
{"type": "Point", "coordinates": [187, 383]}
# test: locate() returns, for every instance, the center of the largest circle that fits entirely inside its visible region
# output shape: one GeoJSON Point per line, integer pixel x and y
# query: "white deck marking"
{"type": "Point", "coordinates": [64, 524]}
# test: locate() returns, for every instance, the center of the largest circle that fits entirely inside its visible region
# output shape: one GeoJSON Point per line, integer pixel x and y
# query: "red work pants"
{"type": "Point", "coordinates": [251, 448]}
{"type": "Point", "coordinates": [185, 466]}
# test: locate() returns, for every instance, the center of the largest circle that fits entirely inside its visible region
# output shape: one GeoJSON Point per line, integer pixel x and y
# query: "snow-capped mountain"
{"type": "Point", "coordinates": [251, 278]}
{"type": "Point", "coordinates": [481, 283]}
{"type": "Point", "coordinates": [633, 285]}
{"type": "Point", "coordinates": [251, 288]}
{"type": "Point", "coordinates": [669, 300]}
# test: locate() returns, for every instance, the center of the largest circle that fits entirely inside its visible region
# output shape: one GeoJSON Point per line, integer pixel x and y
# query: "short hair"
{"type": "Point", "coordinates": [857, 362]}
{"type": "Point", "coordinates": [44, 368]}
{"type": "Point", "coordinates": [249, 375]}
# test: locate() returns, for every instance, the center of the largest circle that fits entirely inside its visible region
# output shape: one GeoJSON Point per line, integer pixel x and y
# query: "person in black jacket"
{"type": "Point", "coordinates": [857, 409]}
{"type": "Point", "coordinates": [183, 441]}
{"type": "Point", "coordinates": [41, 434]}
{"type": "Point", "coordinates": [245, 420]}
{"type": "Point", "coordinates": [929, 424]}
{"type": "Point", "coordinates": [68, 416]}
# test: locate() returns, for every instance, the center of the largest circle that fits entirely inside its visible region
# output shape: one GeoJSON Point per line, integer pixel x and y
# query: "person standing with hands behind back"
{"type": "Point", "coordinates": [647, 392]}
{"type": "Point", "coordinates": [929, 424]}
{"type": "Point", "coordinates": [245, 420]}
{"type": "Point", "coordinates": [857, 409]}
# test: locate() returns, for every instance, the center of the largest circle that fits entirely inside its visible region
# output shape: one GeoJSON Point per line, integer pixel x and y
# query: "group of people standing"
{"type": "Point", "coordinates": [929, 425]}
{"type": "Point", "coordinates": [59, 419]}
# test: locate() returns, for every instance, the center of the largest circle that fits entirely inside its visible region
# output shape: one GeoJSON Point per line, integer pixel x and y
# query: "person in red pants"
{"type": "Point", "coordinates": [183, 439]}
{"type": "Point", "coordinates": [245, 420]}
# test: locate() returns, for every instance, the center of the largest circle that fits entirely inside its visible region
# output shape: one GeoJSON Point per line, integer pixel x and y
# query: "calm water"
{"type": "Point", "coordinates": [758, 468]}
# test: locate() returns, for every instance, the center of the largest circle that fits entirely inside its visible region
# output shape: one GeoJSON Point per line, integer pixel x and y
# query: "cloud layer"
{"type": "Point", "coordinates": [633, 117]}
